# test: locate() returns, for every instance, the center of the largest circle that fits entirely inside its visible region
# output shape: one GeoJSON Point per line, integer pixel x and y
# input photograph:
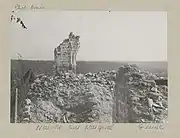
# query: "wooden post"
{"type": "Point", "coordinates": [16, 105]}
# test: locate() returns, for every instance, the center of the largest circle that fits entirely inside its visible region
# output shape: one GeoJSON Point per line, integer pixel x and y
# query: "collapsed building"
{"type": "Point", "coordinates": [103, 97]}
{"type": "Point", "coordinates": [96, 98]}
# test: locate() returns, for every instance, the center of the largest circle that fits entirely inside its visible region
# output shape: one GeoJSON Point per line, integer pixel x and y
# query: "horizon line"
{"type": "Point", "coordinates": [91, 60]}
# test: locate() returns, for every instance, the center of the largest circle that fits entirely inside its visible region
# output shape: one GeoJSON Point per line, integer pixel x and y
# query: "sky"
{"type": "Point", "coordinates": [104, 36]}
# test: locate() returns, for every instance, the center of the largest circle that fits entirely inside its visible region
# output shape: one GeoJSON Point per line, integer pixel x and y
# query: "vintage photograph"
{"type": "Point", "coordinates": [88, 67]}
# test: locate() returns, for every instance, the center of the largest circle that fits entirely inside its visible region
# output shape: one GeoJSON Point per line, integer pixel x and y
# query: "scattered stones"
{"type": "Point", "coordinates": [84, 98]}
{"type": "Point", "coordinates": [79, 94]}
{"type": "Point", "coordinates": [27, 101]}
{"type": "Point", "coordinates": [37, 80]}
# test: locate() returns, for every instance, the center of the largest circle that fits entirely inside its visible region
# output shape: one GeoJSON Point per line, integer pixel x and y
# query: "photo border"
{"type": "Point", "coordinates": [128, 130]}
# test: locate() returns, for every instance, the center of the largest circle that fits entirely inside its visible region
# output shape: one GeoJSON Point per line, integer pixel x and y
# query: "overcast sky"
{"type": "Point", "coordinates": [104, 36]}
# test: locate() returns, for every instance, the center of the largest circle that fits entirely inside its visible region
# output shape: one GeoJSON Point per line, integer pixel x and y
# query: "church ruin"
{"type": "Point", "coordinates": [65, 54]}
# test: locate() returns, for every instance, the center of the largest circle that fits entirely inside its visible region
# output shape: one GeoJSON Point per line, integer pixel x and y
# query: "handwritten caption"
{"type": "Point", "coordinates": [159, 127]}
{"type": "Point", "coordinates": [26, 7]}
{"type": "Point", "coordinates": [74, 127]}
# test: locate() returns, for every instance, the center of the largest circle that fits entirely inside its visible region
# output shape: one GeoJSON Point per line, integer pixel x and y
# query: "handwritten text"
{"type": "Point", "coordinates": [151, 126]}
{"type": "Point", "coordinates": [26, 7]}
{"type": "Point", "coordinates": [74, 127]}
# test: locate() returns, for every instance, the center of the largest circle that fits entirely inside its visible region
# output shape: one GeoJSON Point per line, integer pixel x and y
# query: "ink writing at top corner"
{"type": "Point", "coordinates": [37, 6]}
{"type": "Point", "coordinates": [27, 7]}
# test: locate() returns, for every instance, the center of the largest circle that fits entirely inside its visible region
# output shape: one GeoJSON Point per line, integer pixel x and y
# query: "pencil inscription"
{"type": "Point", "coordinates": [151, 126]}
{"type": "Point", "coordinates": [26, 7]}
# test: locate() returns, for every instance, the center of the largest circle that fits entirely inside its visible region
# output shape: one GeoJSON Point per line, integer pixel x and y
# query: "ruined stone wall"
{"type": "Point", "coordinates": [138, 98]}
{"type": "Point", "coordinates": [65, 54]}
{"type": "Point", "coordinates": [121, 108]}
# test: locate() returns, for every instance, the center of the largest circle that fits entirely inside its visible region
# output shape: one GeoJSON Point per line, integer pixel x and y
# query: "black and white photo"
{"type": "Point", "coordinates": [88, 67]}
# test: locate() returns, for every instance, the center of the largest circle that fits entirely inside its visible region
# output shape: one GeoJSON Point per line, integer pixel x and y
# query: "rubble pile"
{"type": "Point", "coordinates": [86, 98]}
{"type": "Point", "coordinates": [147, 100]}
{"type": "Point", "coordinates": [72, 98]}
